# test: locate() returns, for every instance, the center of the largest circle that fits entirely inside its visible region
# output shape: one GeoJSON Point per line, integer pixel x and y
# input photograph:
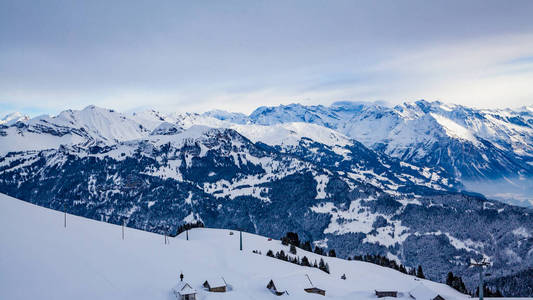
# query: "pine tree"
{"type": "Point", "coordinates": [305, 262]}
{"type": "Point", "coordinates": [319, 250]}
{"type": "Point", "coordinates": [403, 269]}
{"type": "Point", "coordinates": [292, 249]}
{"type": "Point", "coordinates": [420, 273]}
{"type": "Point", "coordinates": [307, 246]}
{"type": "Point", "coordinates": [323, 266]}
{"type": "Point", "coordinates": [449, 279]}
{"type": "Point", "coordinates": [270, 253]}
{"type": "Point", "coordinates": [332, 253]}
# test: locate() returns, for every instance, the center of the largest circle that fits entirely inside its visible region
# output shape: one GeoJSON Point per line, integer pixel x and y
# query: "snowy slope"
{"type": "Point", "coordinates": [291, 134]}
{"type": "Point", "coordinates": [40, 259]}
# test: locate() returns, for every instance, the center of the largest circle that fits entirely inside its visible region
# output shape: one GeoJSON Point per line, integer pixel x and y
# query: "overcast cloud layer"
{"type": "Point", "coordinates": [237, 55]}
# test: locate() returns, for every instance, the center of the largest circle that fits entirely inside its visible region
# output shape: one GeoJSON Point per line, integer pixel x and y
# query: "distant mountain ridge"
{"type": "Point", "coordinates": [489, 150]}
{"type": "Point", "coordinates": [157, 171]}
{"type": "Point", "coordinates": [470, 143]}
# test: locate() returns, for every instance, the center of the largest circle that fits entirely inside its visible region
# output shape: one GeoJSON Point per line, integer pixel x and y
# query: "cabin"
{"type": "Point", "coordinates": [315, 290]}
{"type": "Point", "coordinates": [311, 288]}
{"type": "Point", "coordinates": [183, 291]}
{"type": "Point", "coordinates": [276, 290]}
{"type": "Point", "coordinates": [215, 285]}
{"type": "Point", "coordinates": [422, 292]}
{"type": "Point", "coordinates": [381, 294]}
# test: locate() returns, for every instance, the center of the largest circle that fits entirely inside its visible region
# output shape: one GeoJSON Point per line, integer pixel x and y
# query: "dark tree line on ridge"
{"type": "Point", "coordinates": [188, 226]}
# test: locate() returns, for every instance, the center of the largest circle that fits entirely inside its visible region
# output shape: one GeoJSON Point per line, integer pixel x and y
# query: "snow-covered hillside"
{"type": "Point", "coordinates": [40, 259]}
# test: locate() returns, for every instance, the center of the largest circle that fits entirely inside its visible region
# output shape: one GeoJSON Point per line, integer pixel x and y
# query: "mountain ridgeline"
{"type": "Point", "coordinates": [293, 168]}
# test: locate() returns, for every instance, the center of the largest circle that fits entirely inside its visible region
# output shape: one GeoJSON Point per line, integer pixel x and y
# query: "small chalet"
{"type": "Point", "coordinates": [381, 294]}
{"type": "Point", "coordinates": [183, 291]}
{"type": "Point", "coordinates": [311, 288]}
{"type": "Point", "coordinates": [217, 285]}
{"type": "Point", "coordinates": [276, 290]}
{"type": "Point", "coordinates": [422, 292]}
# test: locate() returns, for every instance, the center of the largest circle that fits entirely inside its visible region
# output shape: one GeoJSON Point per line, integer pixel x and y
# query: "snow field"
{"type": "Point", "coordinates": [40, 259]}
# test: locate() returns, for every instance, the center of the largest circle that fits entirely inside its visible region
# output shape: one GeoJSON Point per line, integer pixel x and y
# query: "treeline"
{"type": "Point", "coordinates": [304, 261]}
{"type": "Point", "coordinates": [488, 292]}
{"type": "Point", "coordinates": [389, 263]}
{"type": "Point", "coordinates": [291, 238]}
{"type": "Point", "coordinates": [516, 285]}
{"type": "Point", "coordinates": [187, 226]}
{"type": "Point", "coordinates": [457, 283]}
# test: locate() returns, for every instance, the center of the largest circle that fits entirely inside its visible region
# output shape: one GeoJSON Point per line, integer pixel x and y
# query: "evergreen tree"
{"type": "Point", "coordinates": [293, 249]}
{"type": "Point", "coordinates": [319, 250]}
{"type": "Point", "coordinates": [307, 246]}
{"type": "Point", "coordinates": [305, 262]}
{"type": "Point", "coordinates": [270, 253]}
{"type": "Point", "coordinates": [420, 273]}
{"type": "Point", "coordinates": [332, 253]}
{"type": "Point", "coordinates": [323, 266]}
{"type": "Point", "coordinates": [403, 269]}
{"type": "Point", "coordinates": [449, 279]}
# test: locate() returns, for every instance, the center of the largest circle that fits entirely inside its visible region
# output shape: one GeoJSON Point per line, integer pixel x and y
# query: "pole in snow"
{"type": "Point", "coordinates": [187, 234]}
{"type": "Point", "coordinates": [240, 238]}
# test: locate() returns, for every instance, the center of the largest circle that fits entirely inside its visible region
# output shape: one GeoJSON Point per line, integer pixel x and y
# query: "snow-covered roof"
{"type": "Point", "coordinates": [183, 288]}
{"type": "Point", "coordinates": [216, 282]}
{"type": "Point", "coordinates": [422, 292]}
{"type": "Point", "coordinates": [280, 284]}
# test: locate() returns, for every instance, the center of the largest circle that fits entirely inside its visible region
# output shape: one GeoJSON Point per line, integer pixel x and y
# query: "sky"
{"type": "Point", "coordinates": [238, 55]}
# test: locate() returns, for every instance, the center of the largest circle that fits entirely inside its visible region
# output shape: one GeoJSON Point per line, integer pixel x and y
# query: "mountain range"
{"type": "Point", "coordinates": [359, 178]}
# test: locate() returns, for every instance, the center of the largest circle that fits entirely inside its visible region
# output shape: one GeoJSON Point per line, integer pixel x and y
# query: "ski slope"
{"type": "Point", "coordinates": [41, 259]}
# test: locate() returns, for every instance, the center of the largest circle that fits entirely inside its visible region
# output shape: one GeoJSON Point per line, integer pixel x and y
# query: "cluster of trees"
{"type": "Point", "coordinates": [389, 263]}
{"type": "Point", "coordinates": [188, 226]}
{"type": "Point", "coordinates": [304, 261]}
{"type": "Point", "coordinates": [456, 282]}
{"type": "Point", "coordinates": [291, 238]}
{"type": "Point", "coordinates": [488, 292]}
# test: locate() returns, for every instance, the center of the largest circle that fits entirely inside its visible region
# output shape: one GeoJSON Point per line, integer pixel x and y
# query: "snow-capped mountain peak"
{"type": "Point", "coordinates": [13, 118]}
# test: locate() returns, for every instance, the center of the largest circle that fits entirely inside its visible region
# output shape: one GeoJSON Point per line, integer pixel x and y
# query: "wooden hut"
{"type": "Point", "coordinates": [311, 288]}
{"type": "Point", "coordinates": [381, 294]}
{"type": "Point", "coordinates": [276, 290]}
{"type": "Point", "coordinates": [183, 291]}
{"type": "Point", "coordinates": [422, 292]}
{"type": "Point", "coordinates": [217, 285]}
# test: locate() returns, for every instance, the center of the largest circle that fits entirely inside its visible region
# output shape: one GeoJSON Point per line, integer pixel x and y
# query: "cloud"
{"type": "Point", "coordinates": [237, 56]}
